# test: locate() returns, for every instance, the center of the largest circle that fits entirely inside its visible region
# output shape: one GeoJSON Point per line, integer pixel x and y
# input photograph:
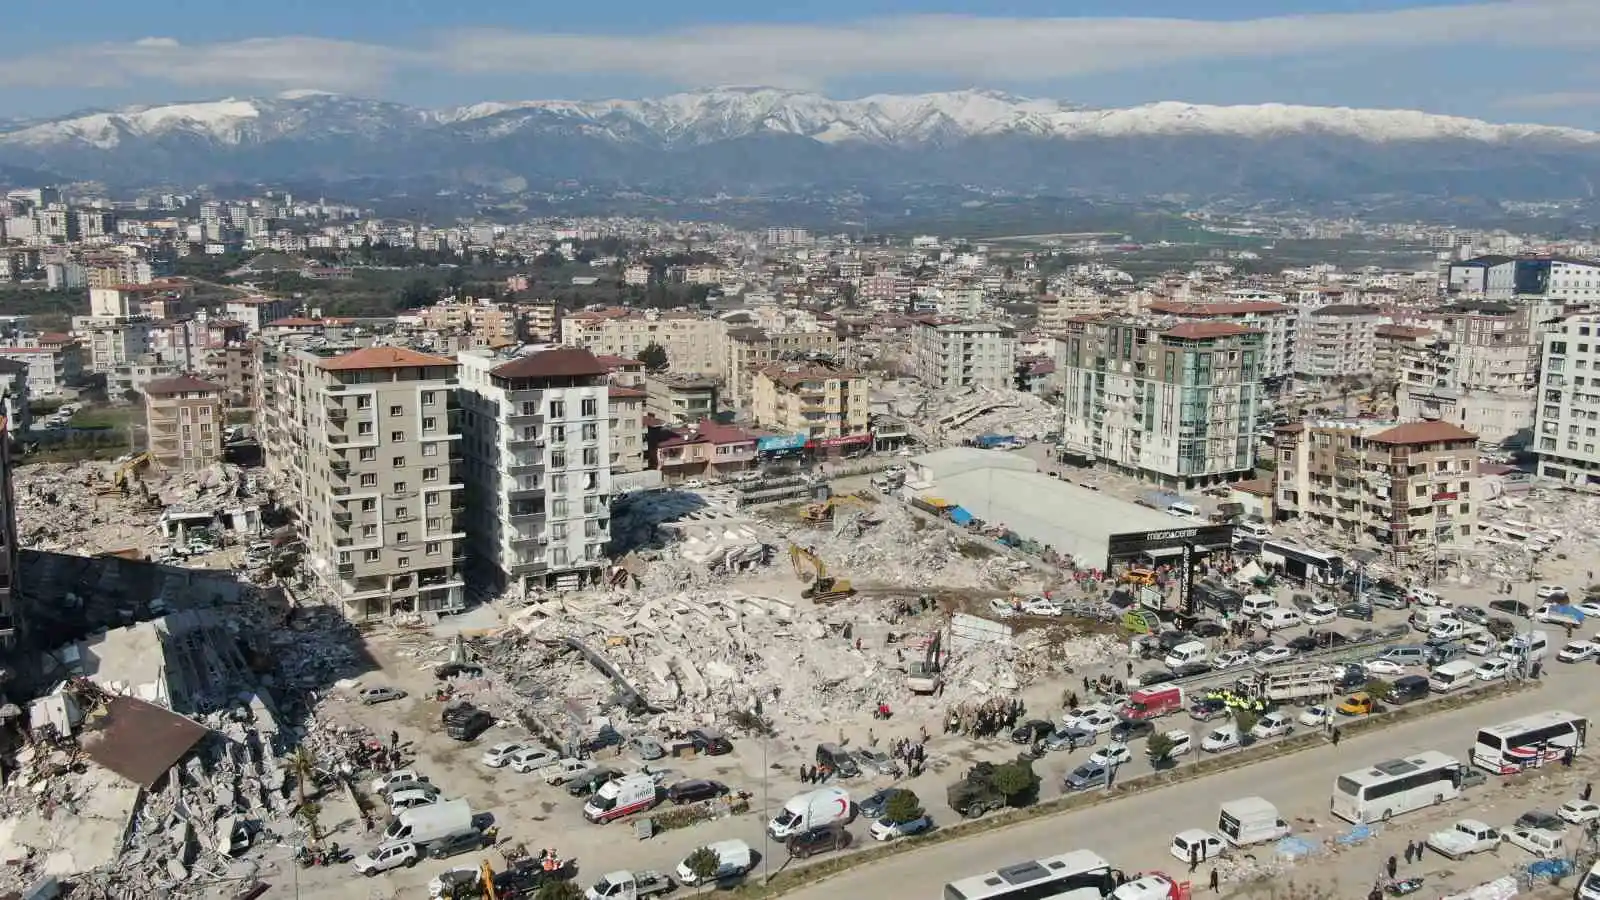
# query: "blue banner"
{"type": "Point", "coordinates": [782, 442]}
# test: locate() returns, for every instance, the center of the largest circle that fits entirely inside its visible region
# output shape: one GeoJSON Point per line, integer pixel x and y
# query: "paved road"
{"type": "Point", "coordinates": [1133, 832]}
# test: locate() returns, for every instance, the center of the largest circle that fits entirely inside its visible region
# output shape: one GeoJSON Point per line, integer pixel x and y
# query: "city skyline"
{"type": "Point", "coordinates": [1498, 61]}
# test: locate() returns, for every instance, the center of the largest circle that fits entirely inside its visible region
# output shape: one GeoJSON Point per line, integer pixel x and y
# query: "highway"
{"type": "Point", "coordinates": [1133, 832]}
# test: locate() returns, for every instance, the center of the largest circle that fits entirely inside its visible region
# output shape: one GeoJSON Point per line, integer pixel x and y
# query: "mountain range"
{"type": "Point", "coordinates": [762, 139]}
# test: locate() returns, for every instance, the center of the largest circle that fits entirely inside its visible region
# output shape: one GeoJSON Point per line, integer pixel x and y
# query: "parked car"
{"type": "Point", "coordinates": [646, 747]}
{"type": "Point", "coordinates": [1273, 655]}
{"type": "Point", "coordinates": [1043, 606]}
{"type": "Point", "coordinates": [1474, 614]}
{"type": "Point", "coordinates": [1112, 755]}
{"type": "Point", "coordinates": [460, 842]}
{"type": "Point", "coordinates": [710, 742]}
{"type": "Point", "coordinates": [1578, 651]}
{"type": "Point", "coordinates": [873, 806]}
{"type": "Point", "coordinates": [532, 759]}
{"type": "Point", "coordinates": [1387, 601]}
{"type": "Point", "coordinates": [1360, 611]}
{"type": "Point", "coordinates": [1230, 659]}
{"type": "Point", "coordinates": [1319, 614]}
{"type": "Point", "coordinates": [1578, 812]}
{"type": "Point", "coordinates": [1065, 738]}
{"type": "Point", "coordinates": [1492, 669]}
{"type": "Point", "coordinates": [1384, 667]}
{"type": "Point", "coordinates": [1511, 608]}
{"type": "Point", "coordinates": [881, 763]}
{"type": "Point", "coordinates": [1210, 629]}
{"type": "Point", "coordinates": [1541, 843]}
{"type": "Point", "coordinates": [375, 695]}
{"type": "Point", "coordinates": [1552, 592]}
{"type": "Point", "coordinates": [499, 755]}
{"type": "Point", "coordinates": [1540, 819]}
{"type": "Point", "coordinates": [1223, 737]}
{"type": "Point", "coordinates": [1271, 725]}
{"type": "Point", "coordinates": [1206, 709]}
{"type": "Point", "coordinates": [885, 830]}
{"type": "Point", "coordinates": [1032, 730]}
{"type": "Point", "coordinates": [1095, 719]}
{"type": "Point", "coordinates": [399, 779]}
{"type": "Point", "coordinates": [560, 771]}
{"type": "Point", "coordinates": [694, 790]}
{"type": "Point", "coordinates": [587, 782]}
{"type": "Point", "coordinates": [822, 839]}
{"type": "Point", "coordinates": [1132, 729]}
{"type": "Point", "coordinates": [1316, 716]}
{"type": "Point", "coordinates": [1085, 776]}
{"type": "Point", "coordinates": [385, 857]}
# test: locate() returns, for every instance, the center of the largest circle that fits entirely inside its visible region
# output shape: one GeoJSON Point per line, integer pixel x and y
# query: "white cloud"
{"type": "Point", "coordinates": [981, 50]}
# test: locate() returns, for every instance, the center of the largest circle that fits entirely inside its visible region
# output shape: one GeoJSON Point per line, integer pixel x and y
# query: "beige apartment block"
{"type": "Point", "coordinates": [1276, 322]}
{"type": "Point", "coordinates": [627, 428]}
{"type": "Point", "coordinates": [185, 421]}
{"type": "Point", "coordinates": [1337, 341]}
{"type": "Point", "coordinates": [748, 350]}
{"type": "Point", "coordinates": [1408, 489]}
{"type": "Point", "coordinates": [680, 399]}
{"type": "Point", "coordinates": [693, 343]}
{"type": "Point", "coordinates": [816, 401]}
{"type": "Point", "coordinates": [949, 355]}
{"type": "Point", "coordinates": [367, 443]}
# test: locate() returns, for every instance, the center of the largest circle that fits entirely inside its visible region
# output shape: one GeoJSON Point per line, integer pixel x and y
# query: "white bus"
{"type": "Point", "coordinates": [1078, 875]}
{"type": "Point", "coordinates": [1529, 741]}
{"type": "Point", "coordinates": [1396, 786]}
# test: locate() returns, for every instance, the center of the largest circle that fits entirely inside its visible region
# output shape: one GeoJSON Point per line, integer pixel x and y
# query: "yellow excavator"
{"type": "Point", "coordinates": [118, 484]}
{"type": "Point", "coordinates": [823, 588]}
{"type": "Point", "coordinates": [821, 512]}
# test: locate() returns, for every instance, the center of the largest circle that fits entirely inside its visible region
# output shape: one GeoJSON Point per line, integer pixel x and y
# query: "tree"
{"type": "Point", "coordinates": [1017, 782]}
{"type": "Point", "coordinates": [303, 766]}
{"type": "Point", "coordinates": [703, 865]}
{"type": "Point", "coordinates": [1160, 748]}
{"type": "Point", "coordinates": [559, 890]}
{"type": "Point", "coordinates": [654, 357]}
{"type": "Point", "coordinates": [904, 806]}
{"type": "Point", "coordinates": [1244, 720]}
{"type": "Point", "coordinates": [1377, 689]}
{"type": "Point", "coordinates": [310, 814]}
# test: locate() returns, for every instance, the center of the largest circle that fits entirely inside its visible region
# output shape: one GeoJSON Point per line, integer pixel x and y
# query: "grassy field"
{"type": "Point", "coordinates": [108, 417]}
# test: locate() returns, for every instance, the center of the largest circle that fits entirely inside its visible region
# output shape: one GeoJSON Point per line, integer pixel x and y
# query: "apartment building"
{"type": "Point", "coordinates": [112, 341]}
{"type": "Point", "coordinates": [950, 355]}
{"type": "Point", "coordinates": [185, 422]}
{"type": "Point", "coordinates": [706, 449]}
{"type": "Point", "coordinates": [10, 615]}
{"type": "Point", "coordinates": [816, 401]}
{"type": "Point", "coordinates": [1408, 488]}
{"type": "Point", "coordinates": [484, 323]}
{"type": "Point", "coordinates": [256, 312]}
{"type": "Point", "coordinates": [693, 343]}
{"type": "Point", "coordinates": [51, 369]}
{"type": "Point", "coordinates": [1566, 434]}
{"type": "Point", "coordinates": [1337, 341]}
{"type": "Point", "coordinates": [1478, 370]}
{"type": "Point", "coordinates": [541, 321]}
{"type": "Point", "coordinates": [1276, 321]}
{"type": "Point", "coordinates": [234, 368]}
{"type": "Point", "coordinates": [1173, 404]}
{"type": "Point", "coordinates": [366, 444]}
{"type": "Point", "coordinates": [538, 466]}
{"type": "Point", "coordinates": [15, 399]}
{"type": "Point", "coordinates": [628, 442]}
{"type": "Point", "coordinates": [1506, 278]}
{"type": "Point", "coordinates": [1392, 344]}
{"type": "Point", "coordinates": [679, 399]}
{"type": "Point", "coordinates": [748, 350]}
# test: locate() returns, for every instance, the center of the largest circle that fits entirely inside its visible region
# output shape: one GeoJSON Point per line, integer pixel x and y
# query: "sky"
{"type": "Point", "coordinates": [1517, 61]}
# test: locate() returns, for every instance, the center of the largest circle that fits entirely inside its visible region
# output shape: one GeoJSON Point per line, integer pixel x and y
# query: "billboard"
{"type": "Point", "coordinates": [780, 443]}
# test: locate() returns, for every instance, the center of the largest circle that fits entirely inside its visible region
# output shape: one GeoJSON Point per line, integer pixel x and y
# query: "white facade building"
{"type": "Point", "coordinates": [1566, 435]}
{"type": "Point", "coordinates": [964, 354]}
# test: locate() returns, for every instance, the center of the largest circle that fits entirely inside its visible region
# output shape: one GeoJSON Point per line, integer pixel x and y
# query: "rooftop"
{"type": "Point", "coordinates": [706, 432]}
{"type": "Point", "coordinates": [183, 384]}
{"type": "Point", "coordinates": [618, 392]}
{"type": "Point", "coordinates": [369, 358]}
{"type": "Point", "coordinates": [561, 362]}
{"type": "Point", "coordinates": [1192, 331]}
{"type": "Point", "coordinates": [1422, 433]}
{"type": "Point", "coordinates": [1235, 308]}
{"type": "Point", "coordinates": [1346, 309]}
{"type": "Point", "coordinates": [795, 374]}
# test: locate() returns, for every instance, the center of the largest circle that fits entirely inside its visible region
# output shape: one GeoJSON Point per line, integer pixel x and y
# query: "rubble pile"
{"type": "Point", "coordinates": [966, 414]}
{"type": "Point", "coordinates": [900, 549]}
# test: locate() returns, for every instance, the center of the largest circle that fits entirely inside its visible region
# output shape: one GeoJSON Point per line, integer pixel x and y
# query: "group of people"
{"type": "Point", "coordinates": [985, 719]}
{"type": "Point", "coordinates": [913, 753]}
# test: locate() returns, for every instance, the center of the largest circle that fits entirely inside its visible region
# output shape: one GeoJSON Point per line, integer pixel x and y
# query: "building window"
{"type": "Point", "coordinates": [364, 428]}
{"type": "Point", "coordinates": [591, 407]}
{"type": "Point", "coordinates": [369, 531]}
{"type": "Point", "coordinates": [558, 484]}
{"type": "Point", "coordinates": [427, 398]}
{"type": "Point", "coordinates": [399, 487]}
{"type": "Point", "coordinates": [367, 454]}
{"type": "Point", "coordinates": [369, 480]}
{"type": "Point", "coordinates": [591, 456]}
{"type": "Point", "coordinates": [433, 499]}
{"type": "Point", "coordinates": [364, 401]}
{"type": "Point", "coordinates": [558, 409]}
{"type": "Point", "coordinates": [399, 462]}
{"type": "Point", "coordinates": [433, 548]}
{"type": "Point", "coordinates": [591, 431]}
{"type": "Point", "coordinates": [371, 555]}
{"type": "Point", "coordinates": [558, 508]}
{"type": "Point", "coordinates": [430, 449]}
{"type": "Point", "coordinates": [397, 437]}
{"type": "Point", "coordinates": [401, 514]}
{"type": "Point", "coordinates": [403, 562]}
{"type": "Point", "coordinates": [558, 459]}
{"type": "Point", "coordinates": [558, 434]}
{"type": "Point", "coordinates": [402, 537]}
{"type": "Point", "coordinates": [368, 504]}
{"type": "Point", "coordinates": [397, 411]}
{"type": "Point", "coordinates": [430, 474]}
{"type": "Point", "coordinates": [429, 423]}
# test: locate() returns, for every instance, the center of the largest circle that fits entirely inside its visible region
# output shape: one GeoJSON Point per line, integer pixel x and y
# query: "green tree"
{"type": "Point", "coordinates": [1244, 720]}
{"type": "Point", "coordinates": [1160, 748]}
{"type": "Point", "coordinates": [310, 814]}
{"type": "Point", "coordinates": [1377, 689]}
{"type": "Point", "coordinates": [559, 890]}
{"type": "Point", "coordinates": [904, 806]}
{"type": "Point", "coordinates": [303, 766]}
{"type": "Point", "coordinates": [1017, 782]}
{"type": "Point", "coordinates": [654, 357]}
{"type": "Point", "coordinates": [420, 292]}
{"type": "Point", "coordinates": [703, 865]}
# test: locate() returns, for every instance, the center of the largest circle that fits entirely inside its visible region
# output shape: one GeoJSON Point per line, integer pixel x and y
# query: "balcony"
{"type": "Point", "coordinates": [346, 569]}
{"type": "Point", "coordinates": [342, 490]}
{"type": "Point", "coordinates": [520, 539]}
{"type": "Point", "coordinates": [337, 414]}
{"type": "Point", "coordinates": [526, 513]}
{"type": "Point", "coordinates": [524, 420]}
{"type": "Point", "coordinates": [339, 467]}
{"type": "Point", "coordinates": [343, 518]}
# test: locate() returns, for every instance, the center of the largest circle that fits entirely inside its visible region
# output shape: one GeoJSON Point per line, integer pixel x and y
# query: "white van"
{"type": "Point", "coordinates": [1530, 645]}
{"type": "Point", "coordinates": [1451, 629]}
{"type": "Point", "coordinates": [1452, 676]}
{"type": "Point", "coordinates": [1250, 820]}
{"type": "Point", "coordinates": [1185, 653]}
{"type": "Point", "coordinates": [1257, 530]}
{"type": "Point", "coordinates": [823, 806]}
{"type": "Point", "coordinates": [1279, 618]}
{"type": "Point", "coordinates": [1182, 743]}
{"type": "Point", "coordinates": [1183, 510]}
{"type": "Point", "coordinates": [1256, 604]}
{"type": "Point", "coordinates": [1424, 619]}
{"type": "Point", "coordinates": [622, 797]}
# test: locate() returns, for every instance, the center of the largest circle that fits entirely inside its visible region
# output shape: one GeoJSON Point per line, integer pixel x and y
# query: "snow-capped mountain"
{"type": "Point", "coordinates": [736, 137]}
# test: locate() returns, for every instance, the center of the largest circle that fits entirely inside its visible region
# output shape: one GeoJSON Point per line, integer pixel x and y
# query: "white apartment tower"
{"type": "Point", "coordinates": [964, 354]}
{"type": "Point", "coordinates": [1566, 432]}
{"type": "Point", "coordinates": [538, 466]}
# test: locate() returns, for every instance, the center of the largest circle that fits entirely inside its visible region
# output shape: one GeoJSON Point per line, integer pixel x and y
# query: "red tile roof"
{"type": "Point", "coordinates": [562, 362]}
{"type": "Point", "coordinates": [1205, 330]}
{"type": "Point", "coordinates": [383, 358]}
{"type": "Point", "coordinates": [618, 362]}
{"type": "Point", "coordinates": [295, 322]}
{"type": "Point", "coordinates": [626, 393]}
{"type": "Point", "coordinates": [1422, 433]}
{"type": "Point", "coordinates": [183, 384]}
{"type": "Point", "coordinates": [1177, 308]}
{"type": "Point", "coordinates": [707, 432]}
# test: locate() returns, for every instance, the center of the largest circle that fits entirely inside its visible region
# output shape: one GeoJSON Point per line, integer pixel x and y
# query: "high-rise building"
{"type": "Point", "coordinates": [366, 444]}
{"type": "Point", "coordinates": [1174, 404]}
{"type": "Point", "coordinates": [950, 355]}
{"type": "Point", "coordinates": [185, 421]}
{"type": "Point", "coordinates": [693, 343]}
{"type": "Point", "coordinates": [538, 465]}
{"type": "Point", "coordinates": [1337, 341]}
{"type": "Point", "coordinates": [1566, 433]}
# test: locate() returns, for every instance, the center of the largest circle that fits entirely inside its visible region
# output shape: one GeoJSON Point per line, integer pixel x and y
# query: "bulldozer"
{"type": "Point", "coordinates": [823, 587]}
{"type": "Point", "coordinates": [923, 675]}
{"type": "Point", "coordinates": [118, 484]}
{"type": "Point", "coordinates": [817, 513]}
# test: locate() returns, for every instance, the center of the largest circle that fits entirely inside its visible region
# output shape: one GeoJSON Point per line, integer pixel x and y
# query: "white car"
{"type": "Point", "coordinates": [1271, 725]}
{"type": "Point", "coordinates": [1316, 716]}
{"type": "Point", "coordinates": [500, 754]}
{"type": "Point", "coordinates": [395, 780]}
{"type": "Point", "coordinates": [1464, 838]}
{"type": "Point", "coordinates": [1589, 607]}
{"type": "Point", "coordinates": [1383, 667]}
{"type": "Point", "coordinates": [385, 857]}
{"type": "Point", "coordinates": [1112, 755]}
{"type": "Point", "coordinates": [1320, 614]}
{"type": "Point", "coordinates": [532, 759]}
{"type": "Point", "coordinates": [1096, 720]}
{"type": "Point", "coordinates": [1492, 669]}
{"type": "Point", "coordinates": [1196, 842]}
{"type": "Point", "coordinates": [1273, 654]}
{"type": "Point", "coordinates": [1483, 645]}
{"type": "Point", "coordinates": [1578, 812]}
{"type": "Point", "coordinates": [1230, 659]}
{"type": "Point", "coordinates": [1002, 607]}
{"type": "Point", "coordinates": [885, 830]}
{"type": "Point", "coordinates": [1225, 737]}
{"type": "Point", "coordinates": [562, 770]}
{"type": "Point", "coordinates": [1044, 606]}
{"type": "Point", "coordinates": [1541, 843]}
{"type": "Point", "coordinates": [1551, 592]}
{"type": "Point", "coordinates": [1425, 597]}
{"type": "Point", "coordinates": [1578, 651]}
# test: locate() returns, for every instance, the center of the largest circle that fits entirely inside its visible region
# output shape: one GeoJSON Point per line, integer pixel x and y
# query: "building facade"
{"type": "Point", "coordinates": [748, 350]}
{"type": "Point", "coordinates": [693, 343]}
{"type": "Point", "coordinates": [1566, 434]}
{"type": "Point", "coordinates": [816, 401]}
{"type": "Point", "coordinates": [367, 443]}
{"type": "Point", "coordinates": [1337, 341]}
{"type": "Point", "coordinates": [1276, 322]}
{"type": "Point", "coordinates": [951, 355]}
{"type": "Point", "coordinates": [185, 419]}
{"type": "Point", "coordinates": [1408, 489]}
{"type": "Point", "coordinates": [680, 399]}
{"type": "Point", "coordinates": [538, 466]}
{"type": "Point", "coordinates": [1478, 370]}
{"type": "Point", "coordinates": [1172, 404]}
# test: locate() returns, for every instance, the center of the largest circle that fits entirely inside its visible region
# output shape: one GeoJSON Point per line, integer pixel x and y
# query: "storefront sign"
{"type": "Point", "coordinates": [780, 443]}
{"type": "Point", "coordinates": [846, 440]}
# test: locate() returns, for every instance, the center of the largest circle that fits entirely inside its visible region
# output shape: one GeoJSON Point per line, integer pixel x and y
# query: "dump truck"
{"type": "Point", "coordinates": [977, 793]}
{"type": "Point", "coordinates": [1297, 684]}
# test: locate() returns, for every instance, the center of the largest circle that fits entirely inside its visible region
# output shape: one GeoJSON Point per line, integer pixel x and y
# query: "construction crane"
{"type": "Point", "coordinates": [821, 512]}
{"type": "Point", "coordinates": [823, 588]}
{"type": "Point", "coordinates": [119, 479]}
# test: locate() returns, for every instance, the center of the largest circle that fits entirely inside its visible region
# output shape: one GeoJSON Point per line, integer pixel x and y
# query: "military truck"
{"type": "Point", "coordinates": [979, 792]}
